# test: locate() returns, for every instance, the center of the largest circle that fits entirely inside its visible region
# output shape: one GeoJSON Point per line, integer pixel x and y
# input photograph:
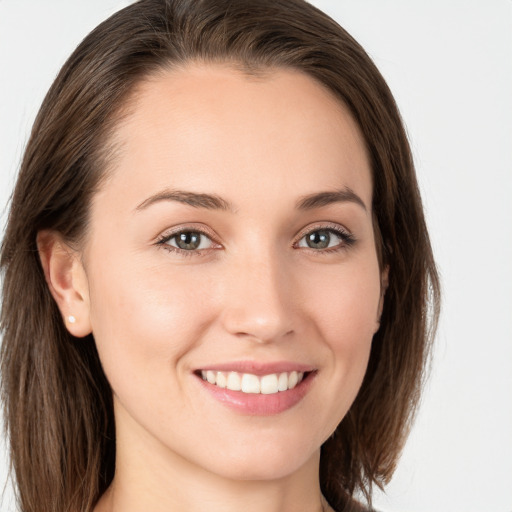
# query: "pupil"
{"type": "Point", "coordinates": [319, 239]}
{"type": "Point", "coordinates": [188, 240]}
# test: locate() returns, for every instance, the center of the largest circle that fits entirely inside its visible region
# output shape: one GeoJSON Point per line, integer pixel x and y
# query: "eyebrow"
{"type": "Point", "coordinates": [215, 202]}
{"type": "Point", "coordinates": [319, 199]}
{"type": "Point", "coordinates": [208, 201]}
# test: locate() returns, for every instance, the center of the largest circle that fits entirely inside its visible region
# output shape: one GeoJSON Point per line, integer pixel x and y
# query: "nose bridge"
{"type": "Point", "coordinates": [257, 298]}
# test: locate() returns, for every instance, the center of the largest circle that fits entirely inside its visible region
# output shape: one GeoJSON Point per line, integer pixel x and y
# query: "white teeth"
{"type": "Point", "coordinates": [282, 384]}
{"type": "Point", "coordinates": [234, 382]}
{"type": "Point", "coordinates": [249, 383]}
{"type": "Point", "coordinates": [269, 384]}
{"type": "Point", "coordinates": [222, 381]}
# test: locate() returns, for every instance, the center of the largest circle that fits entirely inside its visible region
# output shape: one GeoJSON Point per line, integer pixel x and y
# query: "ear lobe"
{"type": "Point", "coordinates": [67, 281]}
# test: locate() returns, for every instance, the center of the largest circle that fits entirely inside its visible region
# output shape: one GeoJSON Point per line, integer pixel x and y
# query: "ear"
{"type": "Point", "coordinates": [67, 281]}
{"type": "Point", "coordinates": [384, 282]}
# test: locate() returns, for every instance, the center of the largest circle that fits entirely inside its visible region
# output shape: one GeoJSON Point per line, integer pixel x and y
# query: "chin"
{"type": "Point", "coordinates": [263, 461]}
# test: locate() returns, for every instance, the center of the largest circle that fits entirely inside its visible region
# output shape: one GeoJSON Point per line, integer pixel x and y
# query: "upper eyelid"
{"type": "Point", "coordinates": [169, 233]}
{"type": "Point", "coordinates": [333, 226]}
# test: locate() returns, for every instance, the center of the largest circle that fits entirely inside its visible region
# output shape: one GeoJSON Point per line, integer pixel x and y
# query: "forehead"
{"type": "Point", "coordinates": [214, 127]}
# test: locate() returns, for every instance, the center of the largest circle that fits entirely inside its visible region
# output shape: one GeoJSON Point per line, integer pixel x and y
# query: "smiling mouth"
{"type": "Point", "coordinates": [254, 384]}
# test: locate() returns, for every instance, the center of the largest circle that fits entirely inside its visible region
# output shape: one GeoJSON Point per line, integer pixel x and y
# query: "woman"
{"type": "Point", "coordinates": [219, 290]}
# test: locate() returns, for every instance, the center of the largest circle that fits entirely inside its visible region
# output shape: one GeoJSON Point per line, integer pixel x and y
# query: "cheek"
{"type": "Point", "coordinates": [345, 314]}
{"type": "Point", "coordinates": [144, 319]}
{"type": "Point", "coordinates": [347, 304]}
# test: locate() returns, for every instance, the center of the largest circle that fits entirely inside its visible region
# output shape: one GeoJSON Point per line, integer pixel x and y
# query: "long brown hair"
{"type": "Point", "coordinates": [57, 401]}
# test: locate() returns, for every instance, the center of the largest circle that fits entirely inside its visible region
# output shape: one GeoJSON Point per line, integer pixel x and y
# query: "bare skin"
{"type": "Point", "coordinates": [269, 273]}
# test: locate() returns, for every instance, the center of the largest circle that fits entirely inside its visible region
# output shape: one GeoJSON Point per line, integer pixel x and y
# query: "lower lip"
{"type": "Point", "coordinates": [258, 404]}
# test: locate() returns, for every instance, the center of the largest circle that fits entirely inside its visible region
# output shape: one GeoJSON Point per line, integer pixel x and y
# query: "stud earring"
{"type": "Point", "coordinates": [71, 319]}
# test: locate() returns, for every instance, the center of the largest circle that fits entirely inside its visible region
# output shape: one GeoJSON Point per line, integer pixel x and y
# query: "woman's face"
{"type": "Point", "coordinates": [233, 241]}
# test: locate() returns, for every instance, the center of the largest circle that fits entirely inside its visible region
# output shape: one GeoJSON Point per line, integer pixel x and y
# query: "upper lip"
{"type": "Point", "coordinates": [258, 368]}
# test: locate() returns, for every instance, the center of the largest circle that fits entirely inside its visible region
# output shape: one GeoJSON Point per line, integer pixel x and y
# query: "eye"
{"type": "Point", "coordinates": [187, 240]}
{"type": "Point", "coordinates": [326, 238]}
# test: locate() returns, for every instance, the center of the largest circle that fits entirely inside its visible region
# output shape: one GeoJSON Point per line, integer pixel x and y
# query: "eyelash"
{"type": "Point", "coordinates": [164, 239]}
{"type": "Point", "coordinates": [347, 240]}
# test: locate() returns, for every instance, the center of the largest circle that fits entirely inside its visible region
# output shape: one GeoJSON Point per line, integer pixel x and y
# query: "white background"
{"type": "Point", "coordinates": [449, 64]}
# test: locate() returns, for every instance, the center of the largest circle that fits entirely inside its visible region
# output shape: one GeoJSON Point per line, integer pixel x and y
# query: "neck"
{"type": "Point", "coordinates": [149, 477]}
{"type": "Point", "coordinates": [195, 491]}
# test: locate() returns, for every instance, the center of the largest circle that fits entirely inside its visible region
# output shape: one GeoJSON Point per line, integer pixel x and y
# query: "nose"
{"type": "Point", "coordinates": [258, 301]}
